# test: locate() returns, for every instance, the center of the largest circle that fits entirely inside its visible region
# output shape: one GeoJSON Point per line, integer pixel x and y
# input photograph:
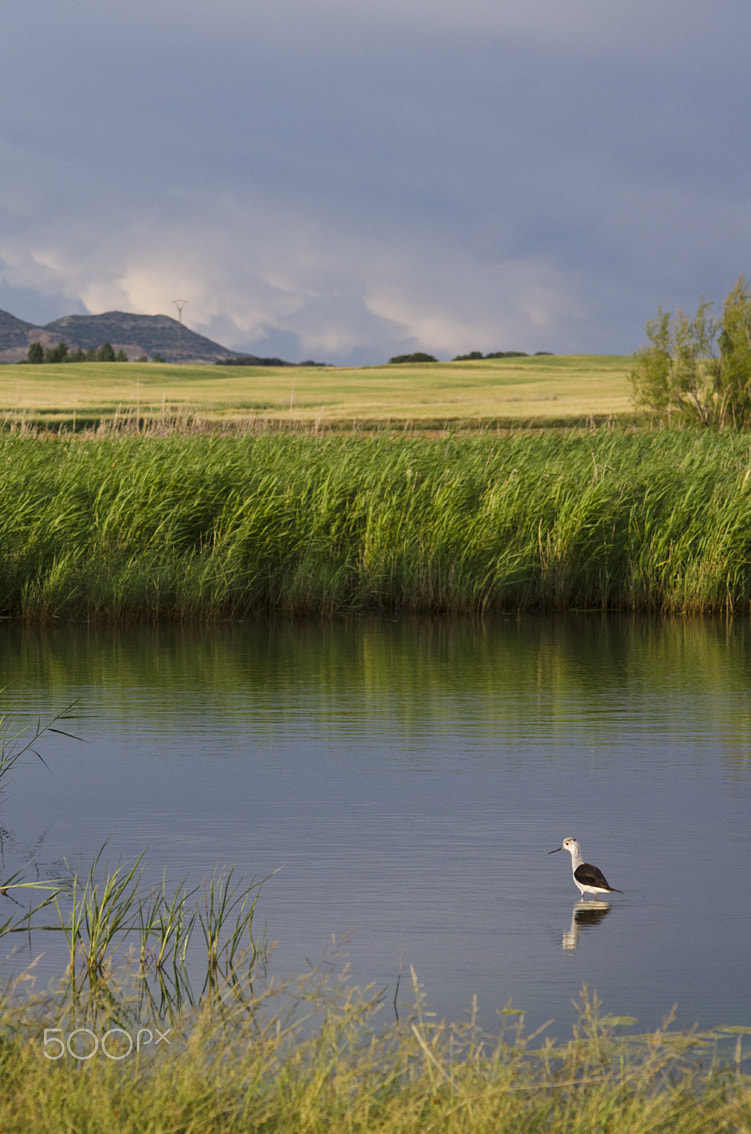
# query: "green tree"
{"type": "Point", "coordinates": [418, 356]}
{"type": "Point", "coordinates": [36, 353]}
{"type": "Point", "coordinates": [698, 369]}
{"type": "Point", "coordinates": [57, 353]}
{"type": "Point", "coordinates": [105, 353]}
{"type": "Point", "coordinates": [121, 356]}
{"type": "Point", "coordinates": [735, 348]}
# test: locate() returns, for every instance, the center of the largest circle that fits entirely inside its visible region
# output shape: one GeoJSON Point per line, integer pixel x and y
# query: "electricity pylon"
{"type": "Point", "coordinates": [179, 304]}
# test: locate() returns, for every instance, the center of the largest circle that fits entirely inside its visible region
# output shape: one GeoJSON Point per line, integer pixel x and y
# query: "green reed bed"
{"type": "Point", "coordinates": [186, 526]}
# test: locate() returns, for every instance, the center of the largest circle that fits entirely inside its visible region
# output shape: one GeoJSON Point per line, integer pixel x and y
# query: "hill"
{"type": "Point", "coordinates": [13, 332]}
{"type": "Point", "coordinates": [137, 335]}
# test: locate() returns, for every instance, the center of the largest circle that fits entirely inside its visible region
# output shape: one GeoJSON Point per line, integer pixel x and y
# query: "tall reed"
{"type": "Point", "coordinates": [198, 527]}
{"type": "Point", "coordinates": [16, 743]}
{"type": "Point", "coordinates": [100, 914]}
{"type": "Point", "coordinates": [103, 913]}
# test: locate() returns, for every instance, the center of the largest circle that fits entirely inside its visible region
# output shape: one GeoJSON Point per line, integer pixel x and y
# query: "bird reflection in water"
{"type": "Point", "coordinates": [585, 915]}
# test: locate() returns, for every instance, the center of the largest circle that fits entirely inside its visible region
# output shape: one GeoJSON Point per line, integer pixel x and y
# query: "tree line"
{"type": "Point", "coordinates": [60, 353]}
{"type": "Point", "coordinates": [473, 356]}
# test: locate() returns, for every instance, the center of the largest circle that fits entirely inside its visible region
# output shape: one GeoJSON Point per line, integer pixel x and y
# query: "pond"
{"type": "Point", "coordinates": [407, 779]}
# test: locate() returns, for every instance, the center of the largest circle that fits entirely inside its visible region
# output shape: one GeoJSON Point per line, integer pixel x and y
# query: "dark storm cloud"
{"type": "Point", "coordinates": [349, 180]}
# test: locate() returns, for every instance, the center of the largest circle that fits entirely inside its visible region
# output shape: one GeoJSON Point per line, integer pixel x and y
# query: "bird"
{"type": "Point", "coordinates": [589, 879]}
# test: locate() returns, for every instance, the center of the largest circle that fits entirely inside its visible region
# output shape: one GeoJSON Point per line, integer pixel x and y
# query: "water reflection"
{"type": "Point", "coordinates": [584, 916]}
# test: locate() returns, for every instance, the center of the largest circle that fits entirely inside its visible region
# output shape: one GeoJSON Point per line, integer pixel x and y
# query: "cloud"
{"type": "Point", "coordinates": [356, 179]}
{"type": "Point", "coordinates": [263, 268]}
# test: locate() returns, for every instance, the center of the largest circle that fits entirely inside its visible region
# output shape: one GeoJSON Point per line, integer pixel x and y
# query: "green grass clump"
{"type": "Point", "coordinates": [313, 1056]}
{"type": "Point", "coordinates": [110, 910]}
{"type": "Point", "coordinates": [209, 526]}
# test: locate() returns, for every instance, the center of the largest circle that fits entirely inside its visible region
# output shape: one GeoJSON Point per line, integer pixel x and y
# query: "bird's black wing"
{"type": "Point", "coordinates": [590, 875]}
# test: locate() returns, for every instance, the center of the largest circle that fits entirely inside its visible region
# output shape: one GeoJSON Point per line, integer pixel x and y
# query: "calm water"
{"type": "Point", "coordinates": [409, 778]}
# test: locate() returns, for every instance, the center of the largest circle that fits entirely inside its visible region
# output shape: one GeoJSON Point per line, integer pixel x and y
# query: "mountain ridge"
{"type": "Point", "coordinates": [137, 335]}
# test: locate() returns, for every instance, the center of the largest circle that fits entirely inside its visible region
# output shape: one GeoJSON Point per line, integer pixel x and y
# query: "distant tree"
{"type": "Point", "coordinates": [121, 356]}
{"type": "Point", "coordinates": [158, 357]}
{"type": "Point", "coordinates": [254, 360]}
{"type": "Point", "coordinates": [698, 369]}
{"type": "Point", "coordinates": [418, 356]}
{"type": "Point", "coordinates": [735, 353]}
{"type": "Point", "coordinates": [36, 353]}
{"type": "Point", "coordinates": [91, 354]}
{"type": "Point", "coordinates": [77, 356]}
{"type": "Point", "coordinates": [57, 353]}
{"type": "Point", "coordinates": [105, 353]}
{"type": "Point", "coordinates": [473, 356]}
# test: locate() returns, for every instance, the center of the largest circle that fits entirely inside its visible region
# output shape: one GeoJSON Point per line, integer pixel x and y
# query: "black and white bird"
{"type": "Point", "coordinates": [589, 879]}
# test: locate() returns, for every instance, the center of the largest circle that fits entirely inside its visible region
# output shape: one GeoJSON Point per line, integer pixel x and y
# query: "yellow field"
{"type": "Point", "coordinates": [547, 389]}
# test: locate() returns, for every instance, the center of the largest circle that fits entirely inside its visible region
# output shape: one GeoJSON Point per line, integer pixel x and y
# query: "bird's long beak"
{"type": "Point", "coordinates": [555, 851]}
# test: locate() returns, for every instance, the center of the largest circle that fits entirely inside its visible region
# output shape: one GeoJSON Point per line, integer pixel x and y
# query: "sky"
{"type": "Point", "coordinates": [346, 180]}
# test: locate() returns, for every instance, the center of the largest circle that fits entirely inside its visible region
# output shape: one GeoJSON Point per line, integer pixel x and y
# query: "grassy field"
{"type": "Point", "coordinates": [546, 389]}
{"type": "Point", "coordinates": [201, 526]}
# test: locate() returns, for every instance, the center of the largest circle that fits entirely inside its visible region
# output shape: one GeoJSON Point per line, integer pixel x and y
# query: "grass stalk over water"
{"type": "Point", "coordinates": [16, 744]}
{"type": "Point", "coordinates": [226, 922]}
{"type": "Point", "coordinates": [100, 914]}
{"type": "Point", "coordinates": [165, 925]}
{"type": "Point", "coordinates": [199, 527]}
